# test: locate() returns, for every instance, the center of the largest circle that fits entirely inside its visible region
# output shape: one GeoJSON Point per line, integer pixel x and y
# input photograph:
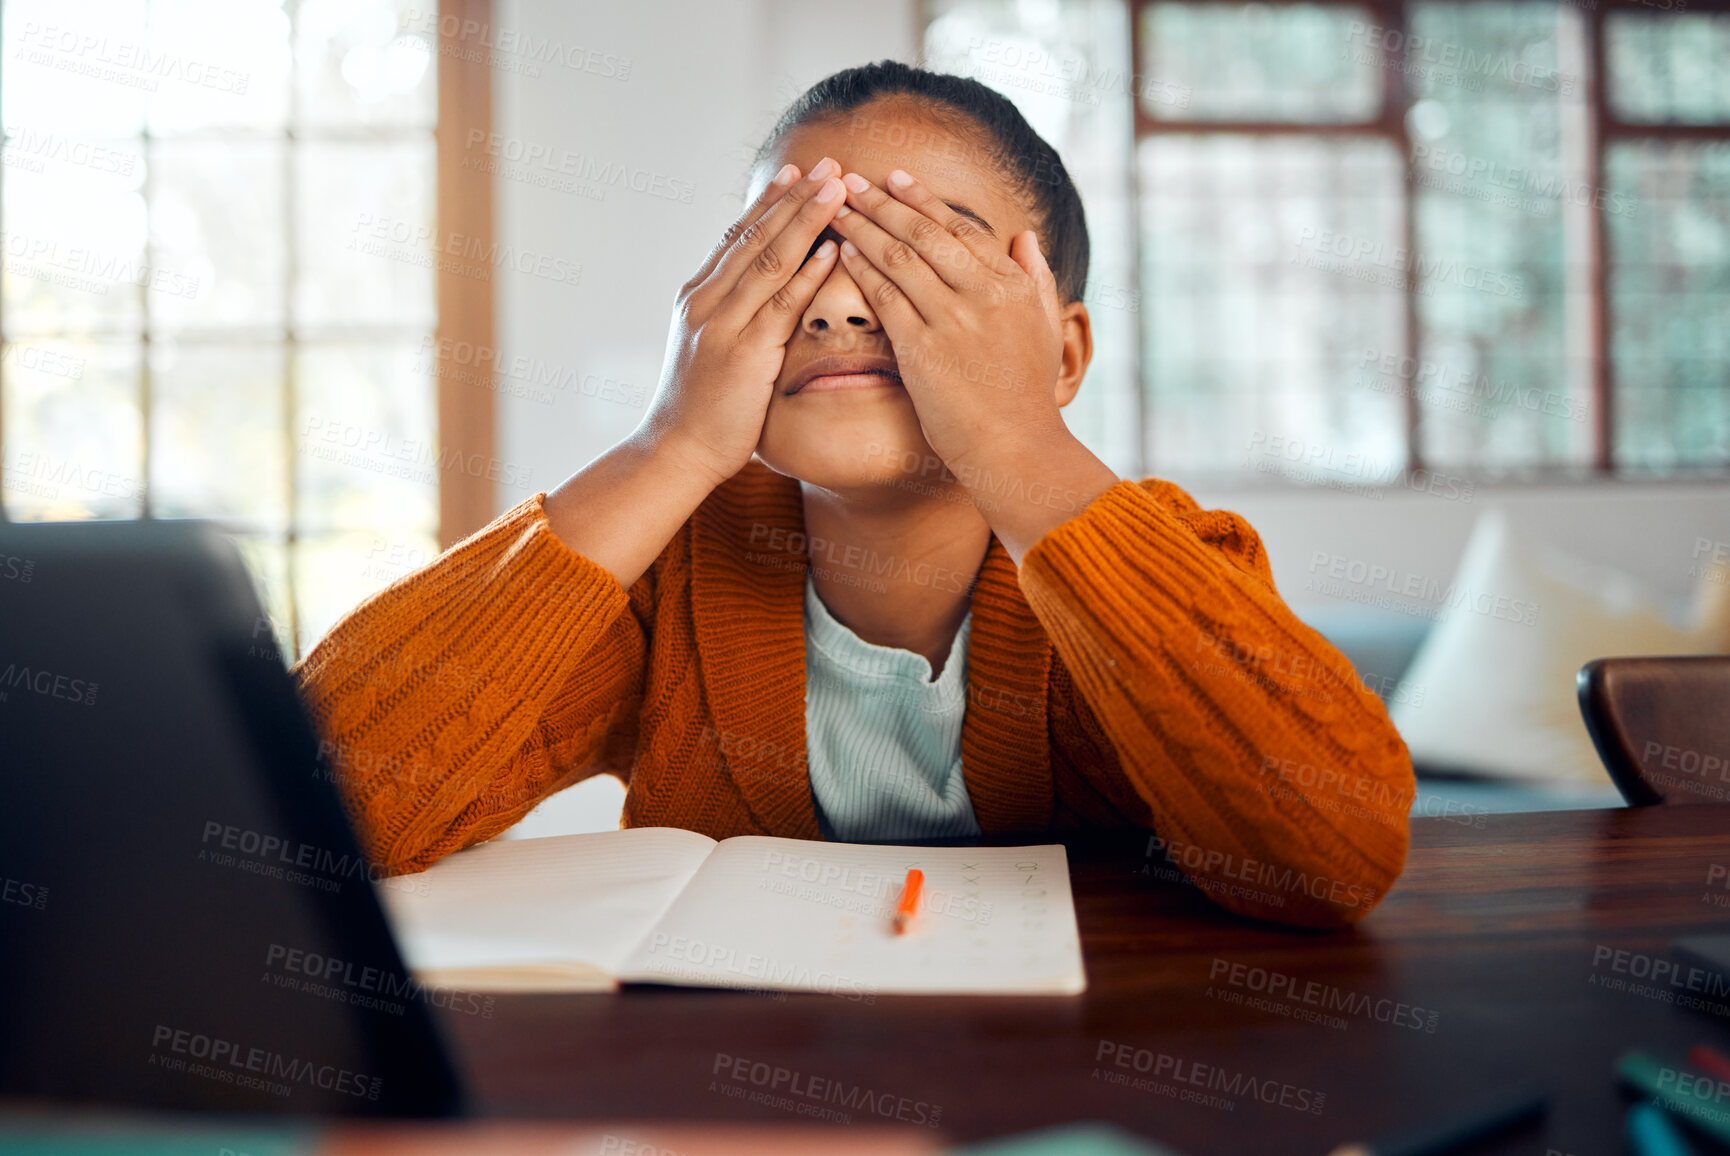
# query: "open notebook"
{"type": "Point", "coordinates": [664, 905]}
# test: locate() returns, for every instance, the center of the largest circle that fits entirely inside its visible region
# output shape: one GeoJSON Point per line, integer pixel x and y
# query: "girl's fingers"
{"type": "Point", "coordinates": [899, 315]}
{"type": "Point", "coordinates": [1030, 258]}
{"type": "Point", "coordinates": [950, 260]}
{"type": "Point", "coordinates": [765, 269]}
{"type": "Point", "coordinates": [896, 259]}
{"type": "Point", "coordinates": [772, 192]}
{"type": "Point", "coordinates": [780, 314]}
{"type": "Point", "coordinates": [752, 249]}
{"type": "Point", "coordinates": [981, 244]}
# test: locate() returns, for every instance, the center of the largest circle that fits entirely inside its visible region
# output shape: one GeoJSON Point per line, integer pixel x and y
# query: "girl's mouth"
{"type": "Point", "coordinates": [869, 380]}
{"type": "Point", "coordinates": [828, 374]}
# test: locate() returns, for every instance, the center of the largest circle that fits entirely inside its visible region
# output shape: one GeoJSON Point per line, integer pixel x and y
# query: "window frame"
{"type": "Point", "coordinates": [464, 307]}
{"type": "Point", "coordinates": [1604, 129]}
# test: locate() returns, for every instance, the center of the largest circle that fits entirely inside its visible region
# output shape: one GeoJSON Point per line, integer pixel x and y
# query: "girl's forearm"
{"type": "Point", "coordinates": [1026, 495]}
{"type": "Point", "coordinates": [622, 509]}
{"type": "Point", "coordinates": [1167, 619]}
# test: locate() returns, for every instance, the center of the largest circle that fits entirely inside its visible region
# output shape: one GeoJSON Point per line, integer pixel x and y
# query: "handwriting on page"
{"type": "Point", "coordinates": [868, 891]}
{"type": "Point", "coordinates": [987, 919]}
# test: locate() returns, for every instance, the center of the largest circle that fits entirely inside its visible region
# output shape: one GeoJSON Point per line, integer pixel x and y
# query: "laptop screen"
{"type": "Point", "coordinates": [186, 919]}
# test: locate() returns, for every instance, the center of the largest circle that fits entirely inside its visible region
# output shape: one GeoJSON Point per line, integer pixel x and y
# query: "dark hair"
{"type": "Point", "coordinates": [962, 103]}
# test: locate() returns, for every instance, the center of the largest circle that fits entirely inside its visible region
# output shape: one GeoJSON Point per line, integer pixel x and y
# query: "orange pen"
{"type": "Point", "coordinates": [909, 899]}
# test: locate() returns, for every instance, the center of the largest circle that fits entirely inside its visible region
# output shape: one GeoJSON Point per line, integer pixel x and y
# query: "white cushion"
{"type": "Point", "coordinates": [1491, 690]}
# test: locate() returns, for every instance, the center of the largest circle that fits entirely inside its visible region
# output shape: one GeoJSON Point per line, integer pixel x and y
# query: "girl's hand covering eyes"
{"type": "Point", "coordinates": [977, 335]}
{"type": "Point", "coordinates": [979, 341]}
{"type": "Point", "coordinates": [734, 318]}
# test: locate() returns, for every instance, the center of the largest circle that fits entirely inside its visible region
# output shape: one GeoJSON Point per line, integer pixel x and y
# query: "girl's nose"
{"type": "Point", "coordinates": [839, 308]}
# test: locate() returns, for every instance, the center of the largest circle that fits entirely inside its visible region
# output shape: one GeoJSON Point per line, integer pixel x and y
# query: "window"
{"type": "Point", "coordinates": [1476, 238]}
{"type": "Point", "coordinates": [1667, 143]}
{"type": "Point", "coordinates": [215, 297]}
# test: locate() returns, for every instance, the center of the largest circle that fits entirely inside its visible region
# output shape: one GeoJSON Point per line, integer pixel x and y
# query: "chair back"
{"type": "Point", "coordinates": [1661, 725]}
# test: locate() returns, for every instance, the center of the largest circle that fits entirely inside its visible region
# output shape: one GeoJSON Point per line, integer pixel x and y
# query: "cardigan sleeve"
{"type": "Point", "coordinates": [1274, 778]}
{"type": "Point", "coordinates": [452, 702]}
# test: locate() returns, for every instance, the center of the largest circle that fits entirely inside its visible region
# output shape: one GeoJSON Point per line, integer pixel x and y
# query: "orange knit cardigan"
{"type": "Point", "coordinates": [1139, 668]}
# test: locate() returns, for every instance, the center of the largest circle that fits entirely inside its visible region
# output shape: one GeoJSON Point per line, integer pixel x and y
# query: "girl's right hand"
{"type": "Point", "coordinates": [734, 318]}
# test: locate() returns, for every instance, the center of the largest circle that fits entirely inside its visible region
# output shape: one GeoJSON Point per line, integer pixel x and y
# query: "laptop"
{"type": "Point", "coordinates": [186, 919]}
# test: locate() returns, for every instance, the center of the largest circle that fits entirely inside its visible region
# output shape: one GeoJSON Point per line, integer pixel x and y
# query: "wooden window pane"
{"type": "Point", "coordinates": [217, 218]}
{"type": "Point", "coordinates": [1666, 67]}
{"type": "Point", "coordinates": [365, 220]}
{"type": "Point", "coordinates": [218, 64]}
{"type": "Point", "coordinates": [216, 436]}
{"type": "Point", "coordinates": [53, 79]}
{"type": "Point", "coordinates": [74, 238]}
{"type": "Point", "coordinates": [1670, 296]}
{"type": "Point", "coordinates": [74, 443]}
{"type": "Point", "coordinates": [1259, 62]}
{"type": "Point", "coordinates": [366, 439]}
{"type": "Point", "coordinates": [1504, 202]}
{"type": "Point", "coordinates": [366, 63]}
{"type": "Point", "coordinates": [1270, 269]}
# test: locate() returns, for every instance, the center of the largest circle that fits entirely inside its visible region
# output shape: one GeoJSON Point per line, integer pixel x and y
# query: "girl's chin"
{"type": "Point", "coordinates": [867, 467]}
{"type": "Point", "coordinates": [849, 454]}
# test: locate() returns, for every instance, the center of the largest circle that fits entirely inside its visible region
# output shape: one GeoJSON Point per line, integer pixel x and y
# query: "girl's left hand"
{"type": "Point", "coordinates": [977, 335]}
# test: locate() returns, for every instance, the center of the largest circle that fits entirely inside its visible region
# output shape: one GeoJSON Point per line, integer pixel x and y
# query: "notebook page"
{"type": "Point", "coordinates": [563, 899]}
{"type": "Point", "coordinates": [804, 915]}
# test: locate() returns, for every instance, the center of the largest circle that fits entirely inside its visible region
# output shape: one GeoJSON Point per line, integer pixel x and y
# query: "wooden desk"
{"type": "Point", "coordinates": [1499, 930]}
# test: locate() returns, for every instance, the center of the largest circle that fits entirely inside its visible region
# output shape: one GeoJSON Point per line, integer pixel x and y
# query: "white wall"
{"type": "Point", "coordinates": [1651, 531]}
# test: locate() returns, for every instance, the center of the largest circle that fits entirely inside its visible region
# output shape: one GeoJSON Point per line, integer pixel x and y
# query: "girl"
{"type": "Point", "coordinates": [853, 578]}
